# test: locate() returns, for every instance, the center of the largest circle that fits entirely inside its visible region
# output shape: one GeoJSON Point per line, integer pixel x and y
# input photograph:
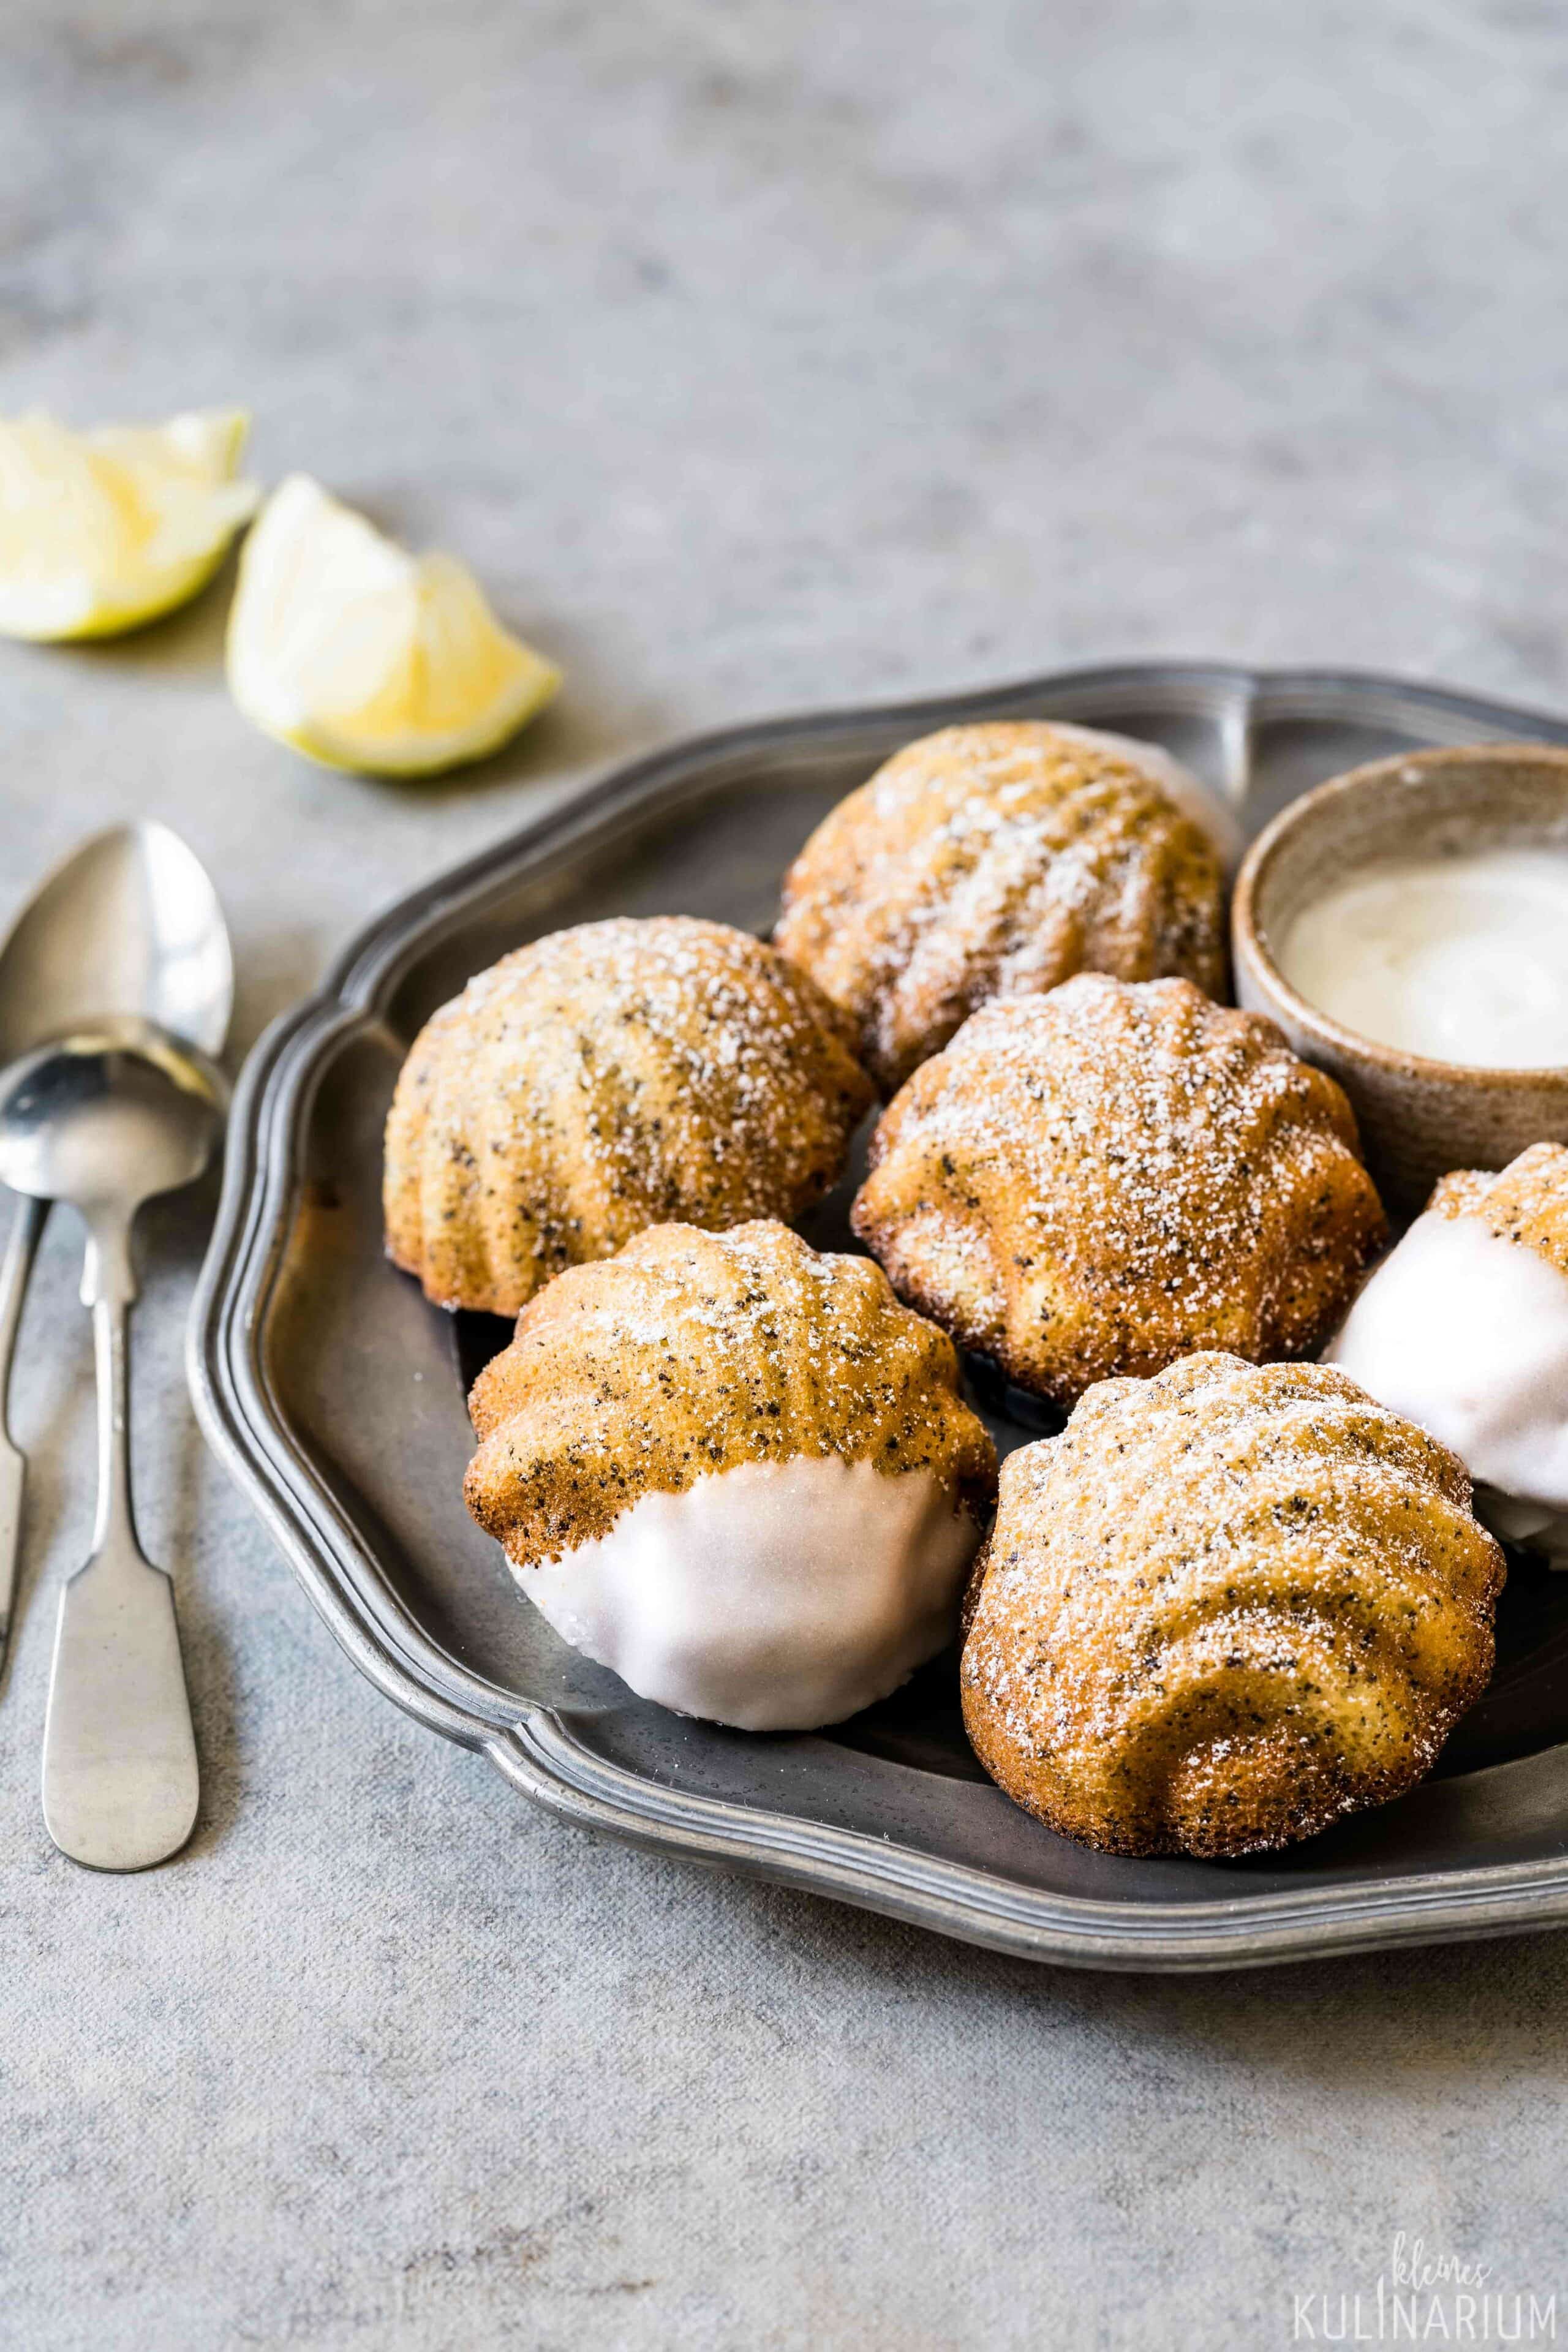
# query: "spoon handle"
{"type": "Point", "coordinates": [120, 1756]}
{"type": "Point", "coordinates": [26, 1226]}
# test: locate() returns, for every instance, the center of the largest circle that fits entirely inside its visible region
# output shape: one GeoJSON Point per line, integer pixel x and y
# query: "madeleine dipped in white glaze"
{"type": "Point", "coordinates": [1465, 1328]}
{"type": "Point", "coordinates": [736, 1471]}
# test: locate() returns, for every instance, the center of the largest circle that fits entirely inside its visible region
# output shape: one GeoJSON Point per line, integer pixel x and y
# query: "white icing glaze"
{"type": "Point", "coordinates": [775, 1596]}
{"type": "Point", "coordinates": [1178, 784]}
{"type": "Point", "coordinates": [1462, 959]}
{"type": "Point", "coordinates": [1514, 1522]}
{"type": "Point", "coordinates": [1469, 1335]}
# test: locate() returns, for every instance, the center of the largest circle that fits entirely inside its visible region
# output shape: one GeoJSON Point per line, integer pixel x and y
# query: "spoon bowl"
{"type": "Point", "coordinates": [127, 924]}
{"type": "Point", "coordinates": [109, 1114]}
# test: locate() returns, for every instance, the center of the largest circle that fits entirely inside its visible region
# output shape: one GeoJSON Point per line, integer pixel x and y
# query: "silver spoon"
{"type": "Point", "coordinates": [106, 1118]}
{"type": "Point", "coordinates": [127, 923]}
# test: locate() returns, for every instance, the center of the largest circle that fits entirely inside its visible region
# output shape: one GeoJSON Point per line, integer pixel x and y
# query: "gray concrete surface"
{"type": "Point", "coordinates": [756, 355]}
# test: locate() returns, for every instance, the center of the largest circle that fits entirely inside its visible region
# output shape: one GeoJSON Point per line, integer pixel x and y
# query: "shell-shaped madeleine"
{"type": "Point", "coordinates": [692, 1353]}
{"type": "Point", "coordinates": [603, 1080]}
{"type": "Point", "coordinates": [997, 860]}
{"type": "Point", "coordinates": [1099, 1181]}
{"type": "Point", "coordinates": [1227, 1606]}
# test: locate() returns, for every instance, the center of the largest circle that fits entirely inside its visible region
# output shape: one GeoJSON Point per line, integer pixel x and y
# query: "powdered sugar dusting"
{"type": "Point", "coordinates": [1525, 1202]}
{"type": "Point", "coordinates": [1101, 1179]}
{"type": "Point", "coordinates": [603, 1079]}
{"type": "Point", "coordinates": [1225, 1606]}
{"type": "Point", "coordinates": [997, 860]}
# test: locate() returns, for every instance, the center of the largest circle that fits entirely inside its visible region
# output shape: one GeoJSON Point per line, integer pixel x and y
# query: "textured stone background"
{"type": "Point", "coordinates": [757, 355]}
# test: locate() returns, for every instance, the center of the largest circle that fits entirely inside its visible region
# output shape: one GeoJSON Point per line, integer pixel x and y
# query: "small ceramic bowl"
{"type": "Point", "coordinates": [1418, 1117]}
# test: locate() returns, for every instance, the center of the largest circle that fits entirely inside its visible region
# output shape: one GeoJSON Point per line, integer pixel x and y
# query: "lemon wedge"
{"type": "Point", "coordinates": [363, 656]}
{"type": "Point", "coordinates": [102, 531]}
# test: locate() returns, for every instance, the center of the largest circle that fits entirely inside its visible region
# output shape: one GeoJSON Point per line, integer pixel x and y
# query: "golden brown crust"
{"type": "Point", "coordinates": [694, 1352]}
{"type": "Point", "coordinates": [605, 1079]}
{"type": "Point", "coordinates": [1459, 1193]}
{"type": "Point", "coordinates": [1527, 1201]}
{"type": "Point", "coordinates": [1224, 1608]}
{"type": "Point", "coordinates": [996, 861]}
{"type": "Point", "coordinates": [1099, 1180]}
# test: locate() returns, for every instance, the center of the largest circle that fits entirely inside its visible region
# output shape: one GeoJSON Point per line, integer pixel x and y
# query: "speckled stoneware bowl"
{"type": "Point", "coordinates": [1418, 1117]}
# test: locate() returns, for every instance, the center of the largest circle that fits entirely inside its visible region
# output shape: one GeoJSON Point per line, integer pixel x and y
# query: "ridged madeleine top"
{"type": "Point", "coordinates": [603, 1080]}
{"type": "Point", "coordinates": [1224, 1607]}
{"type": "Point", "coordinates": [1099, 1181]}
{"type": "Point", "coordinates": [693, 1352]}
{"type": "Point", "coordinates": [997, 860]}
{"type": "Point", "coordinates": [1527, 1201]}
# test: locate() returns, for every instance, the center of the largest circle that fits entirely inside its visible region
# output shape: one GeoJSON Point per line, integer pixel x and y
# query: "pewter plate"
{"type": "Point", "coordinates": [335, 1395]}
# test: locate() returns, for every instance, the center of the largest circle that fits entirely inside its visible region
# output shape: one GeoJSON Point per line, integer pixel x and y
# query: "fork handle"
{"type": "Point", "coordinates": [26, 1226]}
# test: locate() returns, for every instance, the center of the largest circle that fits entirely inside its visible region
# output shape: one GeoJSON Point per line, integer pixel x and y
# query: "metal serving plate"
{"type": "Point", "coordinates": [335, 1395]}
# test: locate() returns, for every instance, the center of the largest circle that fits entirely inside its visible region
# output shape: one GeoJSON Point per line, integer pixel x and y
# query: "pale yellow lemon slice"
{"type": "Point", "coordinates": [365, 657]}
{"type": "Point", "coordinates": [102, 531]}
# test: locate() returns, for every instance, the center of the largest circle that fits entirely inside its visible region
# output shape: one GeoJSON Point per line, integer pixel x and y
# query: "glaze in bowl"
{"type": "Point", "coordinates": [1419, 1117]}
